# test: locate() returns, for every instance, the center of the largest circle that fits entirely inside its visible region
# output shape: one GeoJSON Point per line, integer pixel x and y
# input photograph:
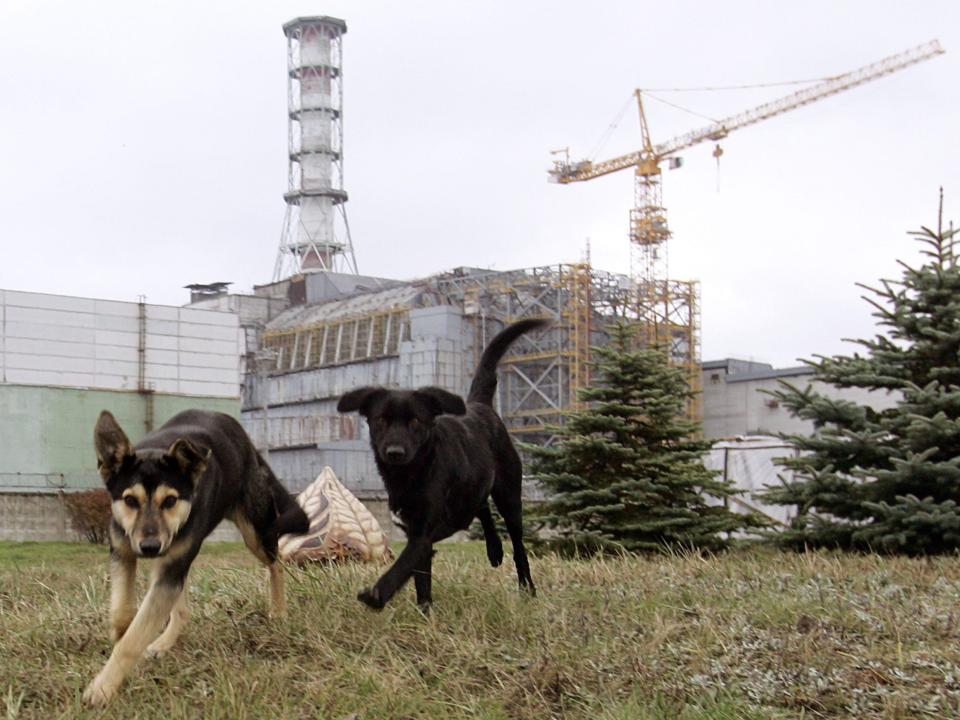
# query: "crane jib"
{"type": "Point", "coordinates": [567, 172]}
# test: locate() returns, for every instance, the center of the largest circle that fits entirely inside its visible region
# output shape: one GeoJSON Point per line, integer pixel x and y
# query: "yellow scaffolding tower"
{"type": "Point", "coordinates": [579, 314]}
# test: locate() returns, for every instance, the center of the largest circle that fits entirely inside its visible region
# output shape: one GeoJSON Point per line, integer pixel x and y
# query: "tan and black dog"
{"type": "Point", "coordinates": [168, 493]}
{"type": "Point", "coordinates": [441, 460]}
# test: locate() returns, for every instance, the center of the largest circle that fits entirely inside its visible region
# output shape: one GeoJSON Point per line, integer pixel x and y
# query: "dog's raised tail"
{"type": "Point", "coordinates": [291, 518]}
{"type": "Point", "coordinates": [484, 383]}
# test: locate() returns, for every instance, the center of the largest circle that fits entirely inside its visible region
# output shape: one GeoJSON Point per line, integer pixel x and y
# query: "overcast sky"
{"type": "Point", "coordinates": [143, 147]}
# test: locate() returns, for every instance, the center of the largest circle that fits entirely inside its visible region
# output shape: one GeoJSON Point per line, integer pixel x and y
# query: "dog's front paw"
{"type": "Point", "coordinates": [99, 691]}
{"type": "Point", "coordinates": [371, 598]}
{"type": "Point", "coordinates": [157, 648]}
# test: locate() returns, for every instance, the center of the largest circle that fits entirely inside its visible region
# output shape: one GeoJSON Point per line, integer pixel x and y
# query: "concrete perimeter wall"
{"type": "Point", "coordinates": [46, 433]}
{"type": "Point", "coordinates": [46, 436]}
{"type": "Point", "coordinates": [42, 517]}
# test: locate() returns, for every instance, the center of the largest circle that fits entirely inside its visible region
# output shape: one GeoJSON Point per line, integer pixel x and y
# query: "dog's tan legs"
{"type": "Point", "coordinates": [153, 612]}
{"type": "Point", "coordinates": [278, 601]}
{"type": "Point", "coordinates": [123, 594]}
{"type": "Point", "coordinates": [250, 539]}
{"type": "Point", "coordinates": [178, 618]}
{"type": "Point", "coordinates": [278, 598]}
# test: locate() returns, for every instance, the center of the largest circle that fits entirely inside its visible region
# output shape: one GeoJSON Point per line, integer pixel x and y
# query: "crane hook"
{"type": "Point", "coordinates": [717, 152]}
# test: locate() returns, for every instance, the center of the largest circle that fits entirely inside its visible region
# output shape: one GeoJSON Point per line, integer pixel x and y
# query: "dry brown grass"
{"type": "Point", "coordinates": [749, 634]}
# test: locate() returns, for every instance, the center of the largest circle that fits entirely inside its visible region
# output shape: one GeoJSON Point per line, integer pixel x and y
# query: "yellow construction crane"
{"type": "Point", "coordinates": [668, 310]}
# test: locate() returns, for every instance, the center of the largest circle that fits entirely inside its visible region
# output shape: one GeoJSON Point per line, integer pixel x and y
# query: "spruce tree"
{"type": "Point", "coordinates": [627, 472]}
{"type": "Point", "coordinates": [886, 480]}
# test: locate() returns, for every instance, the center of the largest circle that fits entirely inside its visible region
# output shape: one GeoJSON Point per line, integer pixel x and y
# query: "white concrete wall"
{"type": "Point", "coordinates": [435, 353]}
{"type": "Point", "coordinates": [736, 404]}
{"type": "Point", "coordinates": [750, 466]}
{"type": "Point", "coordinates": [305, 429]}
{"type": "Point", "coordinates": [55, 340]}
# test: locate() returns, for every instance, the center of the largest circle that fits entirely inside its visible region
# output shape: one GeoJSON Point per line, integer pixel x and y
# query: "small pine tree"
{"type": "Point", "coordinates": [886, 480]}
{"type": "Point", "coordinates": [627, 473]}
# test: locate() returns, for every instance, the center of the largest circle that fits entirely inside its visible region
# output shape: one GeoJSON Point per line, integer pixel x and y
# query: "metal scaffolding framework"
{"type": "Point", "coordinates": [669, 318]}
{"type": "Point", "coordinates": [545, 370]}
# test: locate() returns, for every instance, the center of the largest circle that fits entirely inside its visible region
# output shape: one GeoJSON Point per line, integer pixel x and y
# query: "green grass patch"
{"type": "Point", "coordinates": [748, 634]}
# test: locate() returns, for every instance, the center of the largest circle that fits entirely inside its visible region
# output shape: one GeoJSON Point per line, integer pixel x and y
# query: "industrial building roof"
{"type": "Point", "coordinates": [770, 374]}
{"type": "Point", "coordinates": [359, 305]}
{"type": "Point", "coordinates": [747, 370]}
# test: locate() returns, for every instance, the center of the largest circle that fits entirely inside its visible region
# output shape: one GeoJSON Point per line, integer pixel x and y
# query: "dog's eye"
{"type": "Point", "coordinates": [414, 424]}
{"type": "Point", "coordinates": [131, 501]}
{"type": "Point", "coordinates": [168, 502]}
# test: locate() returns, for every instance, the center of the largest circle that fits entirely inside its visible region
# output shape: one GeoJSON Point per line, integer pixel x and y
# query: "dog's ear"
{"type": "Point", "coordinates": [111, 445]}
{"type": "Point", "coordinates": [361, 399]}
{"type": "Point", "coordinates": [188, 458]}
{"type": "Point", "coordinates": [440, 401]}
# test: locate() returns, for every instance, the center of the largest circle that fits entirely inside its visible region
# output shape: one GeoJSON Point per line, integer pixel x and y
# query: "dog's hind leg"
{"type": "Point", "coordinates": [264, 547]}
{"type": "Point", "coordinates": [490, 534]}
{"type": "Point", "coordinates": [278, 597]}
{"type": "Point", "coordinates": [160, 600]}
{"type": "Point", "coordinates": [178, 618]}
{"type": "Point", "coordinates": [510, 507]}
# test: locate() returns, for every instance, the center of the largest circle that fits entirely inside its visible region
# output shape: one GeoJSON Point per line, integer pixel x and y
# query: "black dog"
{"type": "Point", "coordinates": [439, 470]}
{"type": "Point", "coordinates": [168, 493]}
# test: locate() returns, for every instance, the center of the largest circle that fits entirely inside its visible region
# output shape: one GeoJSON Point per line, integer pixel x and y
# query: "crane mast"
{"type": "Point", "coordinates": [667, 310]}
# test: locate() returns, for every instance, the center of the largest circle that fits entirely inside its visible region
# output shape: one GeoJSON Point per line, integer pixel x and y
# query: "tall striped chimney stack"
{"type": "Point", "coordinates": [316, 235]}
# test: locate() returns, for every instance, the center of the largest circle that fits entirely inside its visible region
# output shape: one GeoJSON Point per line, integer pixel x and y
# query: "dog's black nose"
{"type": "Point", "coordinates": [150, 547]}
{"type": "Point", "coordinates": [395, 453]}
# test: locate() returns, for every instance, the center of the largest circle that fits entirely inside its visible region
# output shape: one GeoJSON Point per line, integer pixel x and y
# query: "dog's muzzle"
{"type": "Point", "coordinates": [395, 454]}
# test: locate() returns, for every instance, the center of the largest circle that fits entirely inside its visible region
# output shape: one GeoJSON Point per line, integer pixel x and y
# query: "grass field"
{"type": "Point", "coordinates": [751, 634]}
